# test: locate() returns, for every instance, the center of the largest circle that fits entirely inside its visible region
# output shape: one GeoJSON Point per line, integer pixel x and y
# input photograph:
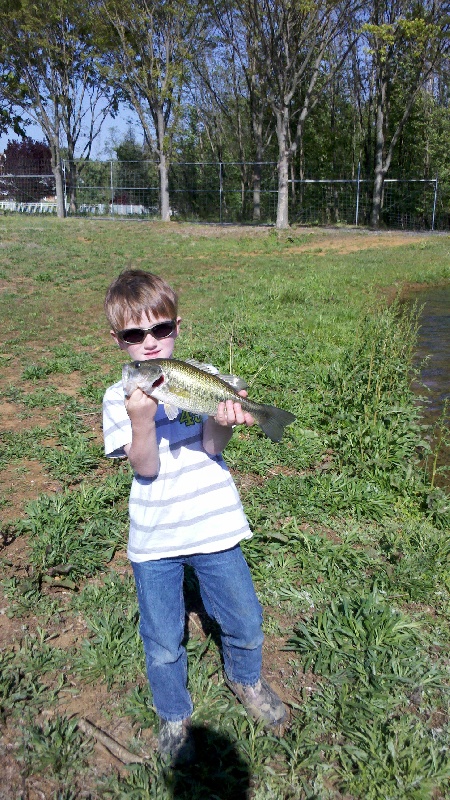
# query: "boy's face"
{"type": "Point", "coordinates": [151, 347]}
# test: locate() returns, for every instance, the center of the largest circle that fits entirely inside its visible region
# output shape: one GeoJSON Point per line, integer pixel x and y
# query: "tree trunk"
{"type": "Point", "coordinates": [59, 185]}
{"type": "Point", "coordinates": [72, 187]}
{"type": "Point", "coordinates": [379, 171]}
{"type": "Point", "coordinates": [283, 169]}
{"type": "Point", "coordinates": [257, 126]}
{"type": "Point", "coordinates": [163, 169]}
{"type": "Point", "coordinates": [256, 182]}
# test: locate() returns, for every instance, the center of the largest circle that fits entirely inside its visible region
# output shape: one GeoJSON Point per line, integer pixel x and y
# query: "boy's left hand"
{"type": "Point", "coordinates": [231, 413]}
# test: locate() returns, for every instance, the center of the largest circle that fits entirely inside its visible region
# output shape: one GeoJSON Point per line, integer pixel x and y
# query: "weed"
{"type": "Point", "coordinates": [362, 640]}
{"type": "Point", "coordinates": [399, 758]}
{"type": "Point", "coordinates": [64, 362]}
{"type": "Point", "coordinates": [56, 746]}
{"type": "Point", "coordinates": [144, 782]}
{"type": "Point", "coordinates": [113, 652]}
{"type": "Point", "coordinates": [26, 597]}
{"type": "Point", "coordinates": [21, 686]}
{"type": "Point", "coordinates": [20, 444]}
{"type": "Point", "coordinates": [138, 706]}
{"type": "Point", "coordinates": [419, 558]}
{"type": "Point", "coordinates": [82, 528]}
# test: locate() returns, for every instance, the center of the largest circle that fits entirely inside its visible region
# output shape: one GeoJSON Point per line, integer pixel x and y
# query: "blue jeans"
{"type": "Point", "coordinates": [228, 596]}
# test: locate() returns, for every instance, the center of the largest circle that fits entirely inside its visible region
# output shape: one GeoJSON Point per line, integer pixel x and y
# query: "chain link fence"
{"type": "Point", "coordinates": [226, 192]}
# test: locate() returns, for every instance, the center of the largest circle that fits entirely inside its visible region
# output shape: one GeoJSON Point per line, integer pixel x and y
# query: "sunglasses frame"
{"type": "Point", "coordinates": [146, 331]}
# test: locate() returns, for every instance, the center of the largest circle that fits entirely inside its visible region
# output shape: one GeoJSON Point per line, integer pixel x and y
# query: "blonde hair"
{"type": "Point", "coordinates": [136, 292]}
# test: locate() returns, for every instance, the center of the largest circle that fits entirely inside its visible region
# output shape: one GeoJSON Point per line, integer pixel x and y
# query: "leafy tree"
{"type": "Point", "coordinates": [134, 173]}
{"type": "Point", "coordinates": [148, 46]}
{"type": "Point", "coordinates": [288, 42]}
{"type": "Point", "coordinates": [9, 119]}
{"type": "Point", "coordinates": [48, 47]}
{"type": "Point", "coordinates": [407, 41]}
{"type": "Point", "coordinates": [238, 92]}
{"type": "Point", "coordinates": [22, 161]}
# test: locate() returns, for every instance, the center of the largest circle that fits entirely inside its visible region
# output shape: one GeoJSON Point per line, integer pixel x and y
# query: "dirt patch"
{"type": "Point", "coordinates": [15, 418]}
{"type": "Point", "coordinates": [20, 482]}
{"type": "Point", "coordinates": [353, 243]}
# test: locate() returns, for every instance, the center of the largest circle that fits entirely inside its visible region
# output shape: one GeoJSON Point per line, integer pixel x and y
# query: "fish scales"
{"type": "Point", "coordinates": [183, 385]}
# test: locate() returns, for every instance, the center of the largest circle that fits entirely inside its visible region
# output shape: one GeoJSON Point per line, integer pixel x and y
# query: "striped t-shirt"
{"type": "Point", "coordinates": [192, 505]}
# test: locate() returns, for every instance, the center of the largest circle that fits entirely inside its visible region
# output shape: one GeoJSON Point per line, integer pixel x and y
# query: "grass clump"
{"type": "Point", "coordinates": [360, 640]}
{"type": "Point", "coordinates": [56, 746]}
{"type": "Point", "coordinates": [372, 662]}
{"type": "Point", "coordinates": [80, 528]}
{"type": "Point", "coordinates": [113, 650]}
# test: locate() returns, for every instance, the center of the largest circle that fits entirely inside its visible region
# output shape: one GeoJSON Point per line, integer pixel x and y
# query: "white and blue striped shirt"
{"type": "Point", "coordinates": [192, 505]}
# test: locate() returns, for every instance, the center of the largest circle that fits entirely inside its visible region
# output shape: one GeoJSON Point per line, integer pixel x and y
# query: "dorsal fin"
{"type": "Point", "coordinates": [232, 380]}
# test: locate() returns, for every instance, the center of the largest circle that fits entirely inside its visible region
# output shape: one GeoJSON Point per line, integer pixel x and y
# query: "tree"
{"type": "Point", "coordinates": [9, 119]}
{"type": "Point", "coordinates": [148, 45]}
{"type": "Point", "coordinates": [48, 47]}
{"type": "Point", "coordinates": [238, 91]}
{"type": "Point", "coordinates": [407, 40]}
{"type": "Point", "coordinates": [134, 173]}
{"type": "Point", "coordinates": [288, 41]}
{"type": "Point", "coordinates": [26, 166]}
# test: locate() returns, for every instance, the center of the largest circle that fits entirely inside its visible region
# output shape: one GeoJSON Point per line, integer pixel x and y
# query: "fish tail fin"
{"type": "Point", "coordinates": [273, 421]}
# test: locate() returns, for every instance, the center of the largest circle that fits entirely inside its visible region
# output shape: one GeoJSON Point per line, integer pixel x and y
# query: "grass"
{"type": "Point", "coordinates": [350, 553]}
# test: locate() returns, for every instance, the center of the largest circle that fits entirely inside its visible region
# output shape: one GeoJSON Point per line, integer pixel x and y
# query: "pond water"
{"type": "Point", "coordinates": [433, 354]}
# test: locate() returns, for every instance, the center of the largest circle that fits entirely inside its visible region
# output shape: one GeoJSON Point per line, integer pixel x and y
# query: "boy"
{"type": "Point", "coordinates": [184, 509]}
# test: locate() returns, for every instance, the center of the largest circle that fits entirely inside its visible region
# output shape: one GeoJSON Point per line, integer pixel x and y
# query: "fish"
{"type": "Point", "coordinates": [199, 388]}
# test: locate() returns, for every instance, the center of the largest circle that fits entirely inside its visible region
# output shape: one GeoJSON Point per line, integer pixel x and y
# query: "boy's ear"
{"type": "Point", "coordinates": [114, 336]}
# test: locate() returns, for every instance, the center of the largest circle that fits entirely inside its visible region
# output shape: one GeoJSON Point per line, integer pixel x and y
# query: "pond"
{"type": "Point", "coordinates": [433, 358]}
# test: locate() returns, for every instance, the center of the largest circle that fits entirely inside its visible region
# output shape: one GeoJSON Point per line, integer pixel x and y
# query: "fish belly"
{"type": "Point", "coordinates": [186, 400]}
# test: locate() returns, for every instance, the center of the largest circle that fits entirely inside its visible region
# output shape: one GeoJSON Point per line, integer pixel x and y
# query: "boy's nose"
{"type": "Point", "coordinates": [150, 340]}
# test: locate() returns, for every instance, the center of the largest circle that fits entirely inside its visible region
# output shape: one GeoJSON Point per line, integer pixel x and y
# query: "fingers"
{"type": "Point", "coordinates": [140, 403]}
{"type": "Point", "coordinates": [232, 413]}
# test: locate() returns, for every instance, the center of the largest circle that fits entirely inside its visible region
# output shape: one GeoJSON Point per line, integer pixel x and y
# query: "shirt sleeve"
{"type": "Point", "coordinates": [116, 422]}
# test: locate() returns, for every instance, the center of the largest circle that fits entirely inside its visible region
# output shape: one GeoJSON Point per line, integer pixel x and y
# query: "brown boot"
{"type": "Point", "coordinates": [175, 743]}
{"type": "Point", "coordinates": [260, 701]}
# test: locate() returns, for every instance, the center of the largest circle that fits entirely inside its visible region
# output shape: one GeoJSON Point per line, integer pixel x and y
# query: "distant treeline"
{"type": "Point", "coordinates": [319, 88]}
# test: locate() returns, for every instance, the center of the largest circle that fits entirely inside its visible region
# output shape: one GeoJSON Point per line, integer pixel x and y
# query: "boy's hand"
{"type": "Point", "coordinates": [231, 413]}
{"type": "Point", "coordinates": [142, 451]}
{"type": "Point", "coordinates": [139, 405]}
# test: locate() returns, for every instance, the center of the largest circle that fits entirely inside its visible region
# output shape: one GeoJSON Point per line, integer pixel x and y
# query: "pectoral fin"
{"type": "Point", "coordinates": [171, 411]}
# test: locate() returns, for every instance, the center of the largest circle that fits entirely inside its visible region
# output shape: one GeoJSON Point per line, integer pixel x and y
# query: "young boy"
{"type": "Point", "coordinates": [184, 509]}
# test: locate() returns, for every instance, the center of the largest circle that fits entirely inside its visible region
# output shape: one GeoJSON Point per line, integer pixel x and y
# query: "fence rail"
{"type": "Point", "coordinates": [227, 192]}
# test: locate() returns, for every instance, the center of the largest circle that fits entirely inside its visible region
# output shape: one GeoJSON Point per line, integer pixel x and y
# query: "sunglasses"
{"type": "Point", "coordinates": [137, 335]}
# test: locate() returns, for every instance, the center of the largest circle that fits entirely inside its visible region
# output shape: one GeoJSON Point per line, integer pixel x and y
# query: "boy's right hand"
{"type": "Point", "coordinates": [142, 452]}
{"type": "Point", "coordinates": [140, 405]}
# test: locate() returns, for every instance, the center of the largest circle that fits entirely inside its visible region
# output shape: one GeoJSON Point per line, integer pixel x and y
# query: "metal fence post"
{"type": "Point", "coordinates": [220, 191]}
{"type": "Point", "coordinates": [112, 186]}
{"type": "Point", "coordinates": [64, 183]}
{"type": "Point", "coordinates": [357, 193]}
{"type": "Point", "coordinates": [434, 202]}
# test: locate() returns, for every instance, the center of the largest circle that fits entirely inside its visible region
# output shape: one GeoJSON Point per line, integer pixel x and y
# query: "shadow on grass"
{"type": "Point", "coordinates": [219, 771]}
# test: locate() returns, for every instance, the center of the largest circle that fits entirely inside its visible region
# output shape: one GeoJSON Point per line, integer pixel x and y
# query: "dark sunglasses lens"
{"type": "Point", "coordinates": [159, 331]}
{"type": "Point", "coordinates": [163, 329]}
{"type": "Point", "coordinates": [133, 336]}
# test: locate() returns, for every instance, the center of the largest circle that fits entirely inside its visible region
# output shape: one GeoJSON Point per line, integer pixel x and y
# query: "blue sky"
{"type": "Point", "coordinates": [113, 129]}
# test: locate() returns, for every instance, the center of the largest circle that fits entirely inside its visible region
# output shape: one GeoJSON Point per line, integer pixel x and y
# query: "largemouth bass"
{"type": "Point", "coordinates": [197, 388]}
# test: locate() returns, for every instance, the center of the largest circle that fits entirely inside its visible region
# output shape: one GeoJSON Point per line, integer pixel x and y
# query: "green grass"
{"type": "Point", "coordinates": [350, 553]}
